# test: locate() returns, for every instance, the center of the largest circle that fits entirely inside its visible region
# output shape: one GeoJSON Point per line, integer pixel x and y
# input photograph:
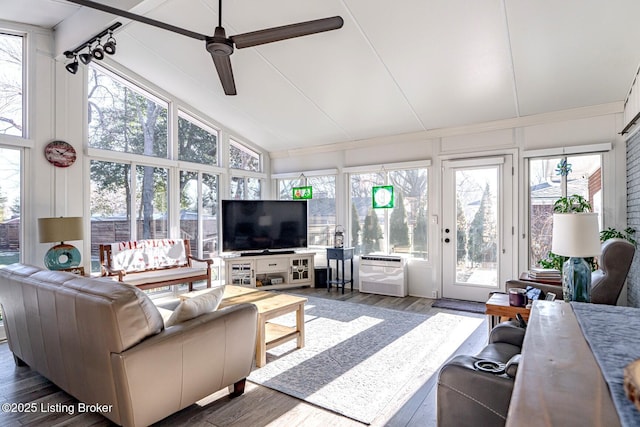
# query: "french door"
{"type": "Point", "coordinates": [477, 227]}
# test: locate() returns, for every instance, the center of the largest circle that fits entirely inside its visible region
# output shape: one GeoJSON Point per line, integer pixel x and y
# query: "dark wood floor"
{"type": "Point", "coordinates": [258, 406]}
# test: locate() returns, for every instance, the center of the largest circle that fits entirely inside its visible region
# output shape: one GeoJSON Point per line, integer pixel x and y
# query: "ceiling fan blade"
{"type": "Point", "coordinates": [139, 18]}
{"type": "Point", "coordinates": [223, 67]}
{"type": "Point", "coordinates": [275, 34]}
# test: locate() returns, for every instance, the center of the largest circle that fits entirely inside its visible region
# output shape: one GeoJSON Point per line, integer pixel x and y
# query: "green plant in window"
{"type": "Point", "coordinates": [573, 203]}
{"type": "Point", "coordinates": [612, 233]}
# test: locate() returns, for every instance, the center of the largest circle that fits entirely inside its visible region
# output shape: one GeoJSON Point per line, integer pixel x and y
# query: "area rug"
{"type": "Point", "coordinates": [460, 305]}
{"type": "Point", "coordinates": [358, 359]}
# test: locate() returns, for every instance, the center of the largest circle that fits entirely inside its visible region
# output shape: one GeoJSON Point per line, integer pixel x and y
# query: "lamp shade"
{"type": "Point", "coordinates": [576, 235]}
{"type": "Point", "coordinates": [60, 229]}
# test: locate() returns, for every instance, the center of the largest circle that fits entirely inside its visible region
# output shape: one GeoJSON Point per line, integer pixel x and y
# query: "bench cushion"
{"type": "Point", "coordinates": [148, 254]}
{"type": "Point", "coordinates": [166, 274]}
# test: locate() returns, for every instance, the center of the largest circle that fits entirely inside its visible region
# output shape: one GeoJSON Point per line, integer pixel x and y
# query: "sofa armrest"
{"type": "Point", "coordinates": [507, 332]}
{"type": "Point", "coordinates": [185, 363]}
{"type": "Point", "coordinates": [467, 396]}
{"type": "Point", "coordinates": [208, 261]}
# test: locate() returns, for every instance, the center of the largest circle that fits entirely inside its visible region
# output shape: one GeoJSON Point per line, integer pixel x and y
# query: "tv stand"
{"type": "Point", "coordinates": [270, 270]}
{"type": "Point", "coordinates": [268, 252]}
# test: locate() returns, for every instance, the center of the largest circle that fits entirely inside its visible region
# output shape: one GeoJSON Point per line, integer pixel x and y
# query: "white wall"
{"type": "Point", "coordinates": [585, 126]}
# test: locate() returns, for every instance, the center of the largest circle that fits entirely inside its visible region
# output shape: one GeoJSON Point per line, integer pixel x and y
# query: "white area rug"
{"type": "Point", "coordinates": [358, 358]}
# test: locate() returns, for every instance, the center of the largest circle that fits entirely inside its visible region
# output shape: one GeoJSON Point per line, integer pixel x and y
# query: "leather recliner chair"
{"type": "Point", "coordinates": [606, 282]}
{"type": "Point", "coordinates": [476, 390]}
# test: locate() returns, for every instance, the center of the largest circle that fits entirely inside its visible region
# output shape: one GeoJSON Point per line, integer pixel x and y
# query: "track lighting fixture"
{"type": "Point", "coordinates": [72, 67]}
{"type": "Point", "coordinates": [110, 46]}
{"type": "Point", "coordinates": [85, 58]}
{"type": "Point", "coordinates": [92, 52]}
{"type": "Point", "coordinates": [97, 52]}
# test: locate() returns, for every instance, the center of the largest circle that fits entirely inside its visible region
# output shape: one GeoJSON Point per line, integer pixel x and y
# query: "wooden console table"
{"type": "Point", "coordinates": [498, 306]}
{"type": "Point", "coordinates": [559, 382]}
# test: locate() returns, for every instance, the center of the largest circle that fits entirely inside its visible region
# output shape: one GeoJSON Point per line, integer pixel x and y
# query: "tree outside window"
{"type": "Point", "coordinates": [11, 85]}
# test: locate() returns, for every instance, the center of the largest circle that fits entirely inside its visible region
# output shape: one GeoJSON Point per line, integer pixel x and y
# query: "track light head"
{"type": "Point", "coordinates": [85, 58]}
{"type": "Point", "coordinates": [72, 67]}
{"type": "Point", "coordinates": [110, 46]}
{"type": "Point", "coordinates": [97, 52]}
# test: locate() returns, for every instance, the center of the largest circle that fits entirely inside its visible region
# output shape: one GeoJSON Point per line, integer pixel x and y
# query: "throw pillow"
{"type": "Point", "coordinates": [194, 307]}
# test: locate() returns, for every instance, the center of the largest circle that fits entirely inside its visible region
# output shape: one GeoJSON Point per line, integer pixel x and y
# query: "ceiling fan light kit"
{"type": "Point", "coordinates": [219, 45]}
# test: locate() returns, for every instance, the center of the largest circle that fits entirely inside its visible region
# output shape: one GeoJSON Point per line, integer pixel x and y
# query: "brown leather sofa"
{"type": "Point", "coordinates": [606, 282]}
{"type": "Point", "coordinates": [105, 343]}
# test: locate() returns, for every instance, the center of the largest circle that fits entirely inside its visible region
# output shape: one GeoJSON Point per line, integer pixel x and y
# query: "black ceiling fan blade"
{"type": "Point", "coordinates": [275, 34]}
{"type": "Point", "coordinates": [139, 18]}
{"type": "Point", "coordinates": [223, 67]}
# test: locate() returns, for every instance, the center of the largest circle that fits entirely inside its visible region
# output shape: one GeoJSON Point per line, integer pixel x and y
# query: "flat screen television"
{"type": "Point", "coordinates": [263, 225]}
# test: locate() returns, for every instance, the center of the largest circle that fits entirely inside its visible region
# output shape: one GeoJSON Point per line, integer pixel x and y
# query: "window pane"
{"type": "Point", "coordinates": [241, 157]}
{"type": "Point", "coordinates": [546, 185]}
{"type": "Point", "coordinates": [190, 212]}
{"type": "Point", "coordinates": [322, 210]}
{"type": "Point", "coordinates": [408, 219]}
{"type": "Point", "coordinates": [285, 188]}
{"type": "Point", "coordinates": [110, 206]}
{"type": "Point", "coordinates": [10, 230]}
{"type": "Point", "coordinates": [11, 85]}
{"type": "Point", "coordinates": [209, 215]}
{"type": "Point", "coordinates": [245, 188]}
{"type": "Point", "coordinates": [196, 142]}
{"type": "Point", "coordinates": [123, 118]}
{"type": "Point", "coordinates": [152, 202]}
{"type": "Point", "coordinates": [367, 224]}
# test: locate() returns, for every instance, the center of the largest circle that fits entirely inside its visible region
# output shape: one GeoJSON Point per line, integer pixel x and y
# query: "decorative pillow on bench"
{"type": "Point", "coordinates": [195, 306]}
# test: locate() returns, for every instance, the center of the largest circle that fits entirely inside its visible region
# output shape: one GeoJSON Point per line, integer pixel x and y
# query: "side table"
{"type": "Point", "coordinates": [498, 306]}
{"type": "Point", "coordinates": [340, 255]}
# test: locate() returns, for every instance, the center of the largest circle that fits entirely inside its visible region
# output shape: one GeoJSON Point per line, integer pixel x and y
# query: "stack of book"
{"type": "Point", "coordinates": [545, 273]}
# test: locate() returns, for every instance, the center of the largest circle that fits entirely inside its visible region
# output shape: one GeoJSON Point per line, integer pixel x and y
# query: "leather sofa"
{"type": "Point", "coordinates": [476, 390]}
{"type": "Point", "coordinates": [105, 343]}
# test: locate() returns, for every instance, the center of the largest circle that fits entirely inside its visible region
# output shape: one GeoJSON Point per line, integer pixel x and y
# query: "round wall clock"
{"type": "Point", "coordinates": [60, 153]}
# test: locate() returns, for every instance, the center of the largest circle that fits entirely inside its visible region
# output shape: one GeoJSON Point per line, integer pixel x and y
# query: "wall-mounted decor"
{"type": "Point", "coordinates": [382, 196]}
{"type": "Point", "coordinates": [302, 193]}
{"type": "Point", "coordinates": [60, 153]}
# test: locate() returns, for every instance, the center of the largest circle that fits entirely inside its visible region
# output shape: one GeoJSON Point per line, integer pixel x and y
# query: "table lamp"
{"type": "Point", "coordinates": [50, 230]}
{"type": "Point", "coordinates": [576, 235]}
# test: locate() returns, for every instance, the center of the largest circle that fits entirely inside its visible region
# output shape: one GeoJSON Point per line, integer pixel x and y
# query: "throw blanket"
{"type": "Point", "coordinates": [614, 338]}
{"type": "Point", "coordinates": [149, 254]}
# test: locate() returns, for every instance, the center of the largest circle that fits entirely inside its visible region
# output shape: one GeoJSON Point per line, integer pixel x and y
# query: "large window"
{"type": "Point", "coordinates": [125, 118]}
{"type": "Point", "coordinates": [322, 206]}
{"type": "Point", "coordinates": [117, 197]}
{"type": "Point", "coordinates": [197, 142]}
{"type": "Point", "coordinates": [401, 229]}
{"type": "Point", "coordinates": [10, 184]}
{"type": "Point", "coordinates": [11, 85]}
{"type": "Point", "coordinates": [551, 178]}
{"type": "Point", "coordinates": [199, 212]}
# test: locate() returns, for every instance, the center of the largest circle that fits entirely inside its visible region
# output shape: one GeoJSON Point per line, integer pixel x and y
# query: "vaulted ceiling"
{"type": "Point", "coordinates": [395, 67]}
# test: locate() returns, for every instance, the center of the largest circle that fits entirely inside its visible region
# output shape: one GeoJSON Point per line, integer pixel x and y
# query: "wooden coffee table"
{"type": "Point", "coordinates": [498, 306]}
{"type": "Point", "coordinates": [270, 305]}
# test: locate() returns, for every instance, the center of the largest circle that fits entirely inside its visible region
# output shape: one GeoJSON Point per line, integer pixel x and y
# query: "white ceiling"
{"type": "Point", "coordinates": [395, 67]}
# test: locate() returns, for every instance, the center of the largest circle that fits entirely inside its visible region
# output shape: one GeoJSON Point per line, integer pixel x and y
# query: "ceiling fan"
{"type": "Point", "coordinates": [219, 45]}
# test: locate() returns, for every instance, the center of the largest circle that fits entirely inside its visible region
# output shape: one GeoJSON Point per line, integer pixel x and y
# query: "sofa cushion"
{"type": "Point", "coordinates": [197, 305]}
{"type": "Point", "coordinates": [148, 254]}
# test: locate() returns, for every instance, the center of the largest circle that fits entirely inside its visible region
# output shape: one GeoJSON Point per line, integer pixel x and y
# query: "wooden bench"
{"type": "Point", "coordinates": [153, 263]}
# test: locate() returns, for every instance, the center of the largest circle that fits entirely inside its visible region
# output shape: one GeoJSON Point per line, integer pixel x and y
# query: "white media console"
{"type": "Point", "coordinates": [277, 271]}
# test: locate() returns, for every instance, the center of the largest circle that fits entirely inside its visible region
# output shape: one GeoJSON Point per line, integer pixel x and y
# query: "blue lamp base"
{"type": "Point", "coordinates": [576, 280]}
{"type": "Point", "coordinates": [62, 256]}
